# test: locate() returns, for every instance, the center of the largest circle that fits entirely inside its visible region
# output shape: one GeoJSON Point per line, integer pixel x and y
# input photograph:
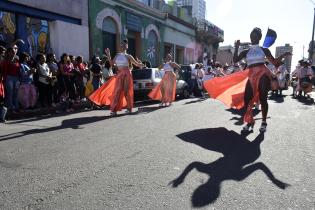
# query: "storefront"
{"type": "Point", "coordinates": [42, 29]}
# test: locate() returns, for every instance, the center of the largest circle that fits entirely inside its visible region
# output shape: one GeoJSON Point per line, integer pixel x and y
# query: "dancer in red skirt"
{"type": "Point", "coordinates": [118, 91]}
{"type": "Point", "coordinates": [166, 90]}
{"type": "Point", "coordinates": [243, 89]}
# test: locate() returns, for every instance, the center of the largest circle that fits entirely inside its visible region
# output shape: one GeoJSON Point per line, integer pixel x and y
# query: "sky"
{"type": "Point", "coordinates": [291, 19]}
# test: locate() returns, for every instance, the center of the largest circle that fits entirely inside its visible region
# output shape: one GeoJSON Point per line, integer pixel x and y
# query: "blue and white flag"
{"type": "Point", "coordinates": [270, 38]}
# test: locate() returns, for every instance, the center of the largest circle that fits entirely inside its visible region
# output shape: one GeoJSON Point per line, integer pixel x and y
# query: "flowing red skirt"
{"type": "Point", "coordinates": [112, 92]}
{"type": "Point", "coordinates": [168, 86]}
{"type": "Point", "coordinates": [230, 89]}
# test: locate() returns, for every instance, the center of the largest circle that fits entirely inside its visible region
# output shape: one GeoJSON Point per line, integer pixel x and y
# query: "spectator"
{"type": "Point", "coordinates": [44, 81]}
{"type": "Point", "coordinates": [53, 66]}
{"type": "Point", "coordinates": [96, 70]}
{"type": "Point", "coordinates": [10, 69]}
{"type": "Point", "coordinates": [66, 69]}
{"type": "Point", "coordinates": [27, 91]}
{"type": "Point", "coordinates": [80, 71]}
{"type": "Point", "coordinates": [107, 71]}
{"type": "Point", "coordinates": [3, 109]}
{"type": "Point", "coordinates": [193, 81]}
{"type": "Point", "coordinates": [2, 53]}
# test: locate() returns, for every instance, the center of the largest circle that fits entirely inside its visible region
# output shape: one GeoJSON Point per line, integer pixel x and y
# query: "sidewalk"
{"type": "Point", "coordinates": [81, 106]}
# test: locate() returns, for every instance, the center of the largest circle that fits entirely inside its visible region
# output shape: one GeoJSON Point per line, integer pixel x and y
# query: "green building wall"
{"type": "Point", "coordinates": [96, 37]}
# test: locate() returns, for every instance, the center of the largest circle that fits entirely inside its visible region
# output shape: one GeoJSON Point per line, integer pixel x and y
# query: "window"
{"type": "Point", "coordinates": [109, 35]}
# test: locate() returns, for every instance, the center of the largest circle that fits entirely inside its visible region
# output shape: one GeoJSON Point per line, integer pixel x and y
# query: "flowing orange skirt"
{"type": "Point", "coordinates": [165, 91]}
{"type": "Point", "coordinates": [113, 92]}
{"type": "Point", "coordinates": [230, 89]}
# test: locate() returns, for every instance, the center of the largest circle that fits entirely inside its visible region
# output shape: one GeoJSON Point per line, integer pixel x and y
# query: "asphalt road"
{"type": "Point", "coordinates": [189, 155]}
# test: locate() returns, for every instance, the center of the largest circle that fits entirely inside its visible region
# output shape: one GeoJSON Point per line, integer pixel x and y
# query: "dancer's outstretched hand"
{"type": "Point", "coordinates": [176, 182]}
{"type": "Point", "coordinates": [237, 43]}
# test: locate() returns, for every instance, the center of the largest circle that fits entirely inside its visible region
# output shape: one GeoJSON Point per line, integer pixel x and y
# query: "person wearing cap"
{"type": "Point", "coordinates": [165, 91]}
{"type": "Point", "coordinates": [304, 75]}
{"type": "Point", "coordinates": [117, 92]}
{"type": "Point", "coordinates": [244, 89]}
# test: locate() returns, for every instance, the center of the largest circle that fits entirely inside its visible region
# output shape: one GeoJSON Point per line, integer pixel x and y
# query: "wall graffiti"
{"type": "Point", "coordinates": [37, 35]}
{"type": "Point", "coordinates": [7, 28]}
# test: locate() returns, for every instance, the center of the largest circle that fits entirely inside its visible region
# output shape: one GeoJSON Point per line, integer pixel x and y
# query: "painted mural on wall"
{"type": "Point", "coordinates": [37, 35]}
{"type": "Point", "coordinates": [7, 28]}
{"type": "Point", "coordinates": [152, 54]}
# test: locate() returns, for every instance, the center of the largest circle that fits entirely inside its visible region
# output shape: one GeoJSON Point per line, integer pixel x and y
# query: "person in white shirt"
{"type": "Point", "coordinates": [199, 77]}
{"type": "Point", "coordinates": [280, 73]}
{"type": "Point", "coordinates": [44, 79]}
{"type": "Point", "coordinates": [193, 81]}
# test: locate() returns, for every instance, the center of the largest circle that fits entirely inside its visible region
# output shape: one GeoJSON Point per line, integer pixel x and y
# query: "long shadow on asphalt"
{"type": "Point", "coordinates": [51, 115]}
{"type": "Point", "coordinates": [74, 123]}
{"type": "Point", "coordinates": [306, 101]}
{"type": "Point", "coordinates": [238, 153]}
{"type": "Point", "coordinates": [277, 98]}
{"type": "Point", "coordinates": [196, 101]}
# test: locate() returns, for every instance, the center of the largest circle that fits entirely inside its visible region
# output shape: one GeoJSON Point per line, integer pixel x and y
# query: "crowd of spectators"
{"type": "Point", "coordinates": [43, 81]}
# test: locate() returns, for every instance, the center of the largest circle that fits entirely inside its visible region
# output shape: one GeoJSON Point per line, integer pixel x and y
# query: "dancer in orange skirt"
{"type": "Point", "coordinates": [118, 91]}
{"type": "Point", "coordinates": [243, 89]}
{"type": "Point", "coordinates": [166, 90]}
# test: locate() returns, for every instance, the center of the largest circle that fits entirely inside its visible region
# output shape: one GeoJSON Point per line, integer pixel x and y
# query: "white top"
{"type": "Point", "coordinates": [193, 73]}
{"type": "Point", "coordinates": [303, 72]}
{"type": "Point", "coordinates": [255, 55]}
{"type": "Point", "coordinates": [168, 67]}
{"type": "Point", "coordinates": [44, 72]}
{"type": "Point", "coordinates": [121, 60]}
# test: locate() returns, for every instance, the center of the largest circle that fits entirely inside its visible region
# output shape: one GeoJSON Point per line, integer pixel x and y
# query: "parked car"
{"type": "Point", "coordinates": [144, 80]}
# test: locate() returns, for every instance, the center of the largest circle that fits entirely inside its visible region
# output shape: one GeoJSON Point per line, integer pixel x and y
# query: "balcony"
{"type": "Point", "coordinates": [210, 32]}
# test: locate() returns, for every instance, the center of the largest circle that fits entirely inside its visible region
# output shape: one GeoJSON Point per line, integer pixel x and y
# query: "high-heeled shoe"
{"type": "Point", "coordinates": [112, 114]}
{"type": "Point", "coordinates": [263, 126]}
{"type": "Point", "coordinates": [248, 127]}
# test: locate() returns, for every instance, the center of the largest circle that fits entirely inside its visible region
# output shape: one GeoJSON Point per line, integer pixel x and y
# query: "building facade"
{"type": "Point", "coordinates": [142, 24]}
{"type": "Point", "coordinates": [208, 36]}
{"type": "Point", "coordinates": [197, 8]}
{"type": "Point", "coordinates": [46, 26]}
{"type": "Point", "coordinates": [152, 28]}
{"type": "Point", "coordinates": [225, 55]}
{"type": "Point", "coordinates": [281, 50]}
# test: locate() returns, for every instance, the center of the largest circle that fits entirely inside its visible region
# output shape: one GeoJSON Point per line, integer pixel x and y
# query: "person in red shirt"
{"type": "Point", "coordinates": [11, 68]}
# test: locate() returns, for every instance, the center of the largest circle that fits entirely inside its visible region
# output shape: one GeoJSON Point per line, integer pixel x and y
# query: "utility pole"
{"type": "Point", "coordinates": [312, 42]}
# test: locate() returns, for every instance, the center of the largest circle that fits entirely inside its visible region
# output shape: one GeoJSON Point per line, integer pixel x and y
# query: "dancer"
{"type": "Point", "coordinates": [118, 91]}
{"type": "Point", "coordinates": [166, 90]}
{"type": "Point", "coordinates": [243, 89]}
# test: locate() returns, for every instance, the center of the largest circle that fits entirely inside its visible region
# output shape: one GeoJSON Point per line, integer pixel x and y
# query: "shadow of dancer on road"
{"type": "Point", "coordinates": [238, 153]}
{"type": "Point", "coordinates": [74, 123]}
{"type": "Point", "coordinates": [241, 112]}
